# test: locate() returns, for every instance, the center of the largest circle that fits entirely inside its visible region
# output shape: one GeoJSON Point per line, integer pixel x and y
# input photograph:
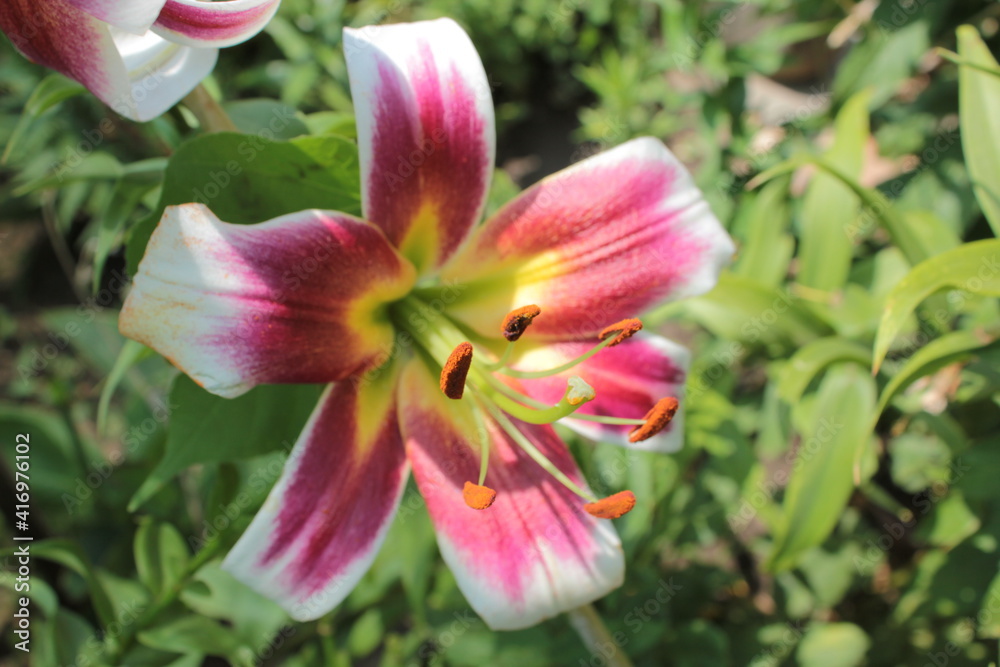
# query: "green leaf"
{"type": "Point", "coordinates": [97, 166]}
{"type": "Point", "coordinates": [50, 91]}
{"type": "Point", "coordinates": [931, 233]}
{"type": "Point", "coordinates": [245, 179]}
{"type": "Point", "coordinates": [937, 354]}
{"type": "Point", "coordinates": [160, 555]}
{"type": "Point", "coordinates": [989, 619]}
{"type": "Point", "coordinates": [190, 634]}
{"type": "Point", "coordinates": [830, 206]}
{"type": "Point", "coordinates": [214, 593]}
{"type": "Point", "coordinates": [973, 267]}
{"type": "Point", "coordinates": [878, 208]}
{"type": "Point", "coordinates": [131, 354]}
{"type": "Point", "coordinates": [205, 428]}
{"type": "Point", "coordinates": [269, 119]}
{"type": "Point", "coordinates": [833, 645]}
{"type": "Point", "coordinates": [978, 101]}
{"type": "Point", "coordinates": [823, 474]}
{"type": "Point", "coordinates": [71, 556]}
{"type": "Point", "coordinates": [366, 633]}
{"type": "Point", "coordinates": [812, 359]}
{"type": "Point", "coordinates": [741, 309]}
{"type": "Point", "coordinates": [121, 205]}
{"type": "Point", "coordinates": [768, 247]}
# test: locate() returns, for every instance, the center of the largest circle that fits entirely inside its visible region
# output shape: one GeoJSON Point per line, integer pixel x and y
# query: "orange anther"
{"type": "Point", "coordinates": [624, 329]}
{"type": "Point", "coordinates": [518, 320]}
{"type": "Point", "coordinates": [478, 497]}
{"type": "Point", "coordinates": [455, 371]}
{"type": "Point", "coordinates": [613, 506]}
{"type": "Point", "coordinates": [656, 419]}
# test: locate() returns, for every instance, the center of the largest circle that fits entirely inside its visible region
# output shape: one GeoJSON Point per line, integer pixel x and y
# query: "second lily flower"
{"type": "Point", "coordinates": [408, 314]}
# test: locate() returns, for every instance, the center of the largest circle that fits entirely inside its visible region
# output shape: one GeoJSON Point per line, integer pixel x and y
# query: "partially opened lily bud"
{"type": "Point", "coordinates": [140, 57]}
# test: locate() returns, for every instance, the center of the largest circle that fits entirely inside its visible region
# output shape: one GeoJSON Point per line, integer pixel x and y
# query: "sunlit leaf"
{"type": "Point", "coordinates": [830, 206]}
{"type": "Point", "coordinates": [973, 267]}
{"type": "Point", "coordinates": [978, 101]}
{"type": "Point", "coordinates": [823, 475]}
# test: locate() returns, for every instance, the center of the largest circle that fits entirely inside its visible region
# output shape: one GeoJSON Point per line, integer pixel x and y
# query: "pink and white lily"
{"type": "Point", "coordinates": [407, 315]}
{"type": "Point", "coordinates": [140, 57]}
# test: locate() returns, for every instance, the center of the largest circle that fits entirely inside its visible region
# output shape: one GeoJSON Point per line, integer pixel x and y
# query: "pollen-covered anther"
{"type": "Point", "coordinates": [621, 330]}
{"type": "Point", "coordinates": [455, 370]}
{"type": "Point", "coordinates": [518, 320]}
{"type": "Point", "coordinates": [656, 419]}
{"type": "Point", "coordinates": [478, 497]}
{"type": "Point", "coordinates": [613, 506]}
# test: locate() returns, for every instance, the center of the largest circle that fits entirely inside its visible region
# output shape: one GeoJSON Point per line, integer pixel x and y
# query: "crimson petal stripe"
{"type": "Point", "coordinates": [425, 134]}
{"type": "Point", "coordinates": [534, 553]}
{"type": "Point", "coordinates": [324, 521]}
{"type": "Point", "coordinates": [595, 243]}
{"type": "Point", "coordinates": [296, 299]}
{"type": "Point", "coordinates": [204, 24]}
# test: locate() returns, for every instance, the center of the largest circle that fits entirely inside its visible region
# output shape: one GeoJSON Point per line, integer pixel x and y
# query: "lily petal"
{"type": "Point", "coordinates": [298, 299]}
{"type": "Point", "coordinates": [595, 243]}
{"type": "Point", "coordinates": [139, 76]}
{"type": "Point", "coordinates": [213, 24]}
{"type": "Point", "coordinates": [425, 134]}
{"type": "Point", "coordinates": [534, 552]}
{"type": "Point", "coordinates": [628, 379]}
{"type": "Point", "coordinates": [132, 15]}
{"type": "Point", "coordinates": [324, 521]}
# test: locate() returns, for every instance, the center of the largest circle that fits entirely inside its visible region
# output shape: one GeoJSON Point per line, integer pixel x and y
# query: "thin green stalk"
{"type": "Point", "coordinates": [588, 624]}
{"type": "Point", "coordinates": [117, 647]}
{"type": "Point", "coordinates": [208, 111]}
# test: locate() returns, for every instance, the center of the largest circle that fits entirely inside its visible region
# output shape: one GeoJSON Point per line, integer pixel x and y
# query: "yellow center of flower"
{"type": "Point", "coordinates": [468, 374]}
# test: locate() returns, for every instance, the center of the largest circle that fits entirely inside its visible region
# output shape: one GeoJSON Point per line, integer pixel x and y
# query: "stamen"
{"type": "Point", "coordinates": [532, 451]}
{"type": "Point", "coordinates": [518, 320]}
{"type": "Point", "coordinates": [613, 506]}
{"type": "Point", "coordinates": [624, 329]}
{"type": "Point", "coordinates": [455, 371]}
{"type": "Point", "coordinates": [656, 419]}
{"type": "Point", "coordinates": [478, 497]}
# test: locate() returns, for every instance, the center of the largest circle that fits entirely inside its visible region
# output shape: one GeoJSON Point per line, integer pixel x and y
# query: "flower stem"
{"type": "Point", "coordinates": [208, 112]}
{"type": "Point", "coordinates": [588, 624]}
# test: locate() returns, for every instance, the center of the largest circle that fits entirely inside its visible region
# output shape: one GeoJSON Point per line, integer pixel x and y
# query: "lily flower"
{"type": "Point", "coordinates": [450, 347]}
{"type": "Point", "coordinates": [140, 57]}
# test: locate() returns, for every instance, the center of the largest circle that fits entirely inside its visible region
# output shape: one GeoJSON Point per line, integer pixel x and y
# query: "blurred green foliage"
{"type": "Point", "coordinates": [836, 502]}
